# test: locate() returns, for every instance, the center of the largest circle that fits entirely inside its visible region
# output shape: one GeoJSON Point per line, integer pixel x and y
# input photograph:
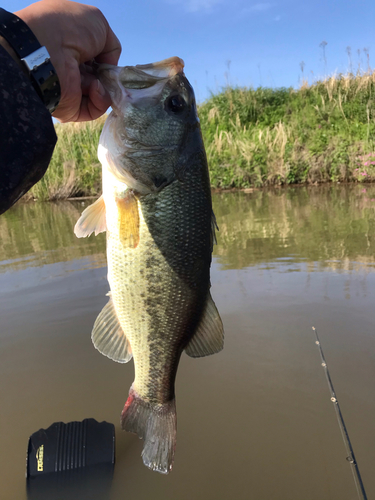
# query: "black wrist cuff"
{"type": "Point", "coordinates": [35, 58]}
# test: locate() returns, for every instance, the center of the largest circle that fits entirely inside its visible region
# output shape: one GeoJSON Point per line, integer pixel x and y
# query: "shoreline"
{"type": "Point", "coordinates": [254, 138]}
{"type": "Point", "coordinates": [215, 190]}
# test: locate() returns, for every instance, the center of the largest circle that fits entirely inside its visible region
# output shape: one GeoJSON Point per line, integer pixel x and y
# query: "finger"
{"type": "Point", "coordinates": [99, 98]}
{"type": "Point", "coordinates": [91, 85]}
{"type": "Point", "coordinates": [95, 104]}
{"type": "Point", "coordinates": [86, 80]}
{"type": "Point", "coordinates": [92, 102]}
{"type": "Point", "coordinates": [112, 49]}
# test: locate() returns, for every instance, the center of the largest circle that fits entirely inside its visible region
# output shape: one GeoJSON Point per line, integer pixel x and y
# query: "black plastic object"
{"type": "Point", "coordinates": [73, 460]}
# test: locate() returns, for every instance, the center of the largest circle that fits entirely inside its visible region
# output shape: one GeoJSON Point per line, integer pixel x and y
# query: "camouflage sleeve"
{"type": "Point", "coordinates": [27, 136]}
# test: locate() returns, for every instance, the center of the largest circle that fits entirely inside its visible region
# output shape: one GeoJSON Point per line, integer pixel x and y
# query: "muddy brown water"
{"type": "Point", "coordinates": [256, 420]}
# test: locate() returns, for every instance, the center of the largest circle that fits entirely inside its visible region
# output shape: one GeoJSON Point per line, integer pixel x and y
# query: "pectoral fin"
{"type": "Point", "coordinates": [209, 337]}
{"type": "Point", "coordinates": [128, 220]}
{"type": "Point", "coordinates": [92, 220]}
{"type": "Point", "coordinates": [108, 336]}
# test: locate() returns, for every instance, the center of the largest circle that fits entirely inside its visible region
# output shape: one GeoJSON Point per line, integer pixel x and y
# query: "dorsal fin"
{"type": "Point", "coordinates": [209, 336]}
{"type": "Point", "coordinates": [108, 336]}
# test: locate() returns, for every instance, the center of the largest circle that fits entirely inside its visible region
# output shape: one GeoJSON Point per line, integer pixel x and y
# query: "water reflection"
{"type": "Point", "coordinates": [327, 227]}
{"type": "Point", "coordinates": [255, 421]}
{"type": "Point", "coordinates": [93, 483]}
{"type": "Point", "coordinates": [38, 234]}
{"type": "Point", "coordinates": [309, 228]}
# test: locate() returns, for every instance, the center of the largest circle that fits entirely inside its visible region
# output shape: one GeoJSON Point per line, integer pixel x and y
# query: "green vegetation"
{"type": "Point", "coordinates": [74, 169]}
{"type": "Point", "coordinates": [327, 228]}
{"type": "Point", "coordinates": [49, 237]}
{"type": "Point", "coordinates": [318, 133]}
{"type": "Point", "coordinates": [330, 228]}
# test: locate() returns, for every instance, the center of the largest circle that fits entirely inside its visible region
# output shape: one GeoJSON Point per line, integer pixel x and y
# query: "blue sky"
{"type": "Point", "coordinates": [247, 43]}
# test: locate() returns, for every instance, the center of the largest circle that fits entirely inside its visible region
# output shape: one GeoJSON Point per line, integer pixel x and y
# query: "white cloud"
{"type": "Point", "coordinates": [197, 5]}
{"type": "Point", "coordinates": [257, 7]}
{"type": "Point", "coordinates": [208, 5]}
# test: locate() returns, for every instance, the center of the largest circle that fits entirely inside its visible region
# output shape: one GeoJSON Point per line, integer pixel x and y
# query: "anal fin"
{"type": "Point", "coordinates": [209, 336]}
{"type": "Point", "coordinates": [92, 220]}
{"type": "Point", "coordinates": [108, 337]}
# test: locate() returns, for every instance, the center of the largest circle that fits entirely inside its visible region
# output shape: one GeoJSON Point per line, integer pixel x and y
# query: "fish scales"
{"type": "Point", "coordinates": [167, 279]}
{"type": "Point", "coordinates": [157, 211]}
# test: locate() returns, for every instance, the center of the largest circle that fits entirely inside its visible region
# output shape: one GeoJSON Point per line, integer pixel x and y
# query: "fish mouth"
{"type": "Point", "coordinates": [162, 69]}
{"type": "Point", "coordinates": [137, 83]}
{"type": "Point", "coordinates": [139, 94]}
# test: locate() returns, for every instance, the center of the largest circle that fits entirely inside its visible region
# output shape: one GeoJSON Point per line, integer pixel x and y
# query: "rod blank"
{"type": "Point", "coordinates": [344, 432]}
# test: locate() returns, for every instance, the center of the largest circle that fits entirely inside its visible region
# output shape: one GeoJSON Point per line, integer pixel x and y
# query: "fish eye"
{"type": "Point", "coordinates": [176, 104]}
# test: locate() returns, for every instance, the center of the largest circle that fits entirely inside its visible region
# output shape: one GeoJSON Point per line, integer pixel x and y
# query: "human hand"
{"type": "Point", "coordinates": [75, 34]}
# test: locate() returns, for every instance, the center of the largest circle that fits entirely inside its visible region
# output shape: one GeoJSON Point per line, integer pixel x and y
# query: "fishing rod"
{"type": "Point", "coordinates": [344, 432]}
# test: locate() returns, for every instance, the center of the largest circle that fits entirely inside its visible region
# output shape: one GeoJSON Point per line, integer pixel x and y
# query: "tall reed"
{"type": "Point", "coordinates": [74, 169]}
{"type": "Point", "coordinates": [318, 133]}
{"type": "Point", "coordinates": [254, 137]}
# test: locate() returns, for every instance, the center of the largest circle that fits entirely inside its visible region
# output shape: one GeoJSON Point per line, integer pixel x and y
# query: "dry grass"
{"type": "Point", "coordinates": [276, 136]}
{"type": "Point", "coordinates": [253, 137]}
{"type": "Point", "coordinates": [75, 168]}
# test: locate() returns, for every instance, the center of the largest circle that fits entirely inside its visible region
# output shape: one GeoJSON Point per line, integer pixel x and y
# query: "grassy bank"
{"type": "Point", "coordinates": [74, 169]}
{"type": "Point", "coordinates": [319, 133]}
{"type": "Point", "coordinates": [254, 137]}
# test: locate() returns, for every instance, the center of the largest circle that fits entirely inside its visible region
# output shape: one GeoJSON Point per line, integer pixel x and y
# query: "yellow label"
{"type": "Point", "coordinates": [39, 457]}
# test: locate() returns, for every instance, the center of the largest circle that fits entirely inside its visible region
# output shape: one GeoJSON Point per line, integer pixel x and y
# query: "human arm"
{"type": "Point", "coordinates": [27, 137]}
{"type": "Point", "coordinates": [73, 34]}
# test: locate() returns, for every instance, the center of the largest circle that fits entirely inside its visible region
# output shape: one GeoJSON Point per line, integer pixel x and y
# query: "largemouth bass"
{"type": "Point", "coordinates": [156, 209]}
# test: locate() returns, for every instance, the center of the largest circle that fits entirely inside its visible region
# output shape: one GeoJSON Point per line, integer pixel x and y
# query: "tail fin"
{"type": "Point", "coordinates": [156, 424]}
